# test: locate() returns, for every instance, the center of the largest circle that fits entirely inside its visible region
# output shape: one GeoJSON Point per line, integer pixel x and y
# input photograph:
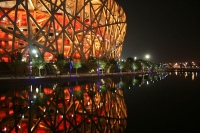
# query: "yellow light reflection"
{"type": "Point", "coordinates": [192, 75]}
{"type": "Point", "coordinates": [176, 72]}
{"type": "Point", "coordinates": [186, 74]}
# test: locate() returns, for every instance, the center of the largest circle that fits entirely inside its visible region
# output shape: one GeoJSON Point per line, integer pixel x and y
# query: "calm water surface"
{"type": "Point", "coordinates": [163, 102]}
{"type": "Point", "coordinates": [170, 105]}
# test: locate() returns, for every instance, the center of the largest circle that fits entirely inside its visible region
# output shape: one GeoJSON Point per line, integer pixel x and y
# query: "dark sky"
{"type": "Point", "coordinates": [167, 30]}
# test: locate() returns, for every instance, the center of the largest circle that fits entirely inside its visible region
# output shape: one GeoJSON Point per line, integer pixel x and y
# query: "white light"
{"type": "Point", "coordinates": [34, 51]}
{"type": "Point", "coordinates": [147, 56]}
{"type": "Point", "coordinates": [135, 58]}
{"type": "Point", "coordinates": [36, 90]}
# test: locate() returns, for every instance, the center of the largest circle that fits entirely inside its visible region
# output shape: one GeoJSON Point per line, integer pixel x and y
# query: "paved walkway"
{"type": "Point", "coordinates": [72, 75]}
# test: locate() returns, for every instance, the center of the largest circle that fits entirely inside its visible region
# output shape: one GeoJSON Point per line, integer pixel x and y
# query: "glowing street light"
{"type": "Point", "coordinates": [34, 51]}
{"type": "Point", "coordinates": [147, 56]}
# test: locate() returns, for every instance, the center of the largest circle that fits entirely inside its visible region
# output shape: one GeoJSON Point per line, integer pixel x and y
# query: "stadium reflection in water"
{"type": "Point", "coordinates": [80, 106]}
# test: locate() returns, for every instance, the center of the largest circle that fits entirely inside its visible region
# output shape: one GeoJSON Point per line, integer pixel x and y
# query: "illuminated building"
{"type": "Point", "coordinates": [58, 108]}
{"type": "Point", "coordinates": [77, 28]}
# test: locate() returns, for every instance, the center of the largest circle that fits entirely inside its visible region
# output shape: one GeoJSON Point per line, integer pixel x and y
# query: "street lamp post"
{"type": "Point", "coordinates": [30, 65]}
{"type": "Point", "coordinates": [34, 52]}
{"type": "Point", "coordinates": [118, 66]}
{"type": "Point", "coordinates": [70, 66]}
{"type": "Point", "coordinates": [98, 65]}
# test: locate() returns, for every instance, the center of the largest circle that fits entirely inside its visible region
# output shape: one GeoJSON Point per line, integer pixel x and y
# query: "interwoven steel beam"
{"type": "Point", "coordinates": [77, 28]}
{"type": "Point", "coordinates": [92, 107]}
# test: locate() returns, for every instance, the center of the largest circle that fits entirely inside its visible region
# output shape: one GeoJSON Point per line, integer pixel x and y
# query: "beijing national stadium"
{"type": "Point", "coordinates": [76, 28]}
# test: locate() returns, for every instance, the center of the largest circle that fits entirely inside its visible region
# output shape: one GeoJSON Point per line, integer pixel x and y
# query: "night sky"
{"type": "Point", "coordinates": [167, 30]}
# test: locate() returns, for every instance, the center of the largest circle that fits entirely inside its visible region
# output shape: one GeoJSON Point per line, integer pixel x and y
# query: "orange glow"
{"type": "Point", "coordinates": [2, 98]}
{"type": "Point", "coordinates": [48, 91]}
{"type": "Point", "coordinates": [53, 31]}
{"type": "Point", "coordinates": [2, 114]}
{"type": "Point", "coordinates": [11, 112]}
{"type": "Point", "coordinates": [77, 88]}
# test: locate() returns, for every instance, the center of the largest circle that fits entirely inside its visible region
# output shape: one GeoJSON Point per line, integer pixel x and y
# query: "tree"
{"type": "Point", "coordinates": [16, 61]}
{"type": "Point", "coordinates": [142, 64]}
{"type": "Point", "coordinates": [60, 62]}
{"type": "Point", "coordinates": [127, 66]}
{"type": "Point", "coordinates": [102, 65]}
{"type": "Point", "coordinates": [121, 65]}
{"type": "Point", "coordinates": [39, 63]}
{"type": "Point", "coordinates": [112, 62]}
{"type": "Point", "coordinates": [145, 65]}
{"type": "Point", "coordinates": [128, 63]}
{"type": "Point", "coordinates": [130, 60]}
{"type": "Point", "coordinates": [92, 63]}
{"type": "Point", "coordinates": [134, 66]}
{"type": "Point", "coordinates": [77, 65]}
{"type": "Point", "coordinates": [156, 66]}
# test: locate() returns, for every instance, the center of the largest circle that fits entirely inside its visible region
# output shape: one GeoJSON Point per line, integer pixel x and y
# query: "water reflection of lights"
{"type": "Point", "coordinates": [186, 74]}
{"type": "Point", "coordinates": [95, 106]}
{"type": "Point", "coordinates": [176, 73]}
{"type": "Point", "coordinates": [63, 110]}
{"type": "Point", "coordinates": [192, 75]}
{"type": "Point", "coordinates": [147, 79]}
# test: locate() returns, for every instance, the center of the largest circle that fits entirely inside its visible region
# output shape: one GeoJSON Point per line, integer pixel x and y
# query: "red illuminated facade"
{"type": "Point", "coordinates": [77, 28]}
{"type": "Point", "coordinates": [55, 108]}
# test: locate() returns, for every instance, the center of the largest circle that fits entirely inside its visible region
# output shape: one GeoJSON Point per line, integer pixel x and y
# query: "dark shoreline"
{"type": "Point", "coordinates": [8, 80]}
{"type": "Point", "coordinates": [182, 70]}
{"type": "Point", "coordinates": [62, 78]}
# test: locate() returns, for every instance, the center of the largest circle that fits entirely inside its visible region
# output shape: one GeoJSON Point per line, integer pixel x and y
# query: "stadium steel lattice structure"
{"type": "Point", "coordinates": [56, 108]}
{"type": "Point", "coordinates": [77, 28]}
